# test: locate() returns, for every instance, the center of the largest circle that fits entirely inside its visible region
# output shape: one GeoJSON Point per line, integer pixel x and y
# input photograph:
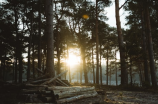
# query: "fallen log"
{"type": "Point", "coordinates": [31, 85]}
{"type": "Point", "coordinates": [62, 82]}
{"type": "Point", "coordinates": [47, 92]}
{"type": "Point", "coordinates": [39, 78]}
{"type": "Point", "coordinates": [39, 81]}
{"type": "Point", "coordinates": [66, 100]}
{"type": "Point", "coordinates": [52, 79]}
{"type": "Point", "coordinates": [74, 93]}
{"type": "Point", "coordinates": [65, 88]}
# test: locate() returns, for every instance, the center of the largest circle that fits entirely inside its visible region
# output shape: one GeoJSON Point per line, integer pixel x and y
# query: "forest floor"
{"type": "Point", "coordinates": [115, 95]}
{"type": "Point", "coordinates": [107, 95]}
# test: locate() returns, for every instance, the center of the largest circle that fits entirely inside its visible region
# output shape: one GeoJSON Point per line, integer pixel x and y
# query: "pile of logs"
{"type": "Point", "coordinates": [43, 89]}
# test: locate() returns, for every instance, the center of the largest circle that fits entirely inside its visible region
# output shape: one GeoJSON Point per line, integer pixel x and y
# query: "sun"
{"type": "Point", "coordinates": [73, 58]}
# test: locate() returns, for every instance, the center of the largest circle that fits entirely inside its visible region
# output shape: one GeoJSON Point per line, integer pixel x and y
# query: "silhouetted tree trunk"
{"type": "Point", "coordinates": [1, 61]}
{"type": "Point", "coordinates": [80, 72]}
{"type": "Point", "coordinates": [4, 66]}
{"type": "Point", "coordinates": [97, 42]}
{"type": "Point", "coordinates": [93, 67]}
{"type": "Point", "coordinates": [39, 35]}
{"type": "Point", "coordinates": [140, 73]}
{"type": "Point", "coordinates": [131, 71]}
{"type": "Point", "coordinates": [150, 46]}
{"type": "Point", "coordinates": [146, 72]}
{"type": "Point", "coordinates": [16, 67]}
{"type": "Point", "coordinates": [50, 38]}
{"type": "Point", "coordinates": [68, 65]}
{"type": "Point", "coordinates": [29, 46]}
{"type": "Point", "coordinates": [33, 58]}
{"type": "Point", "coordinates": [20, 63]}
{"type": "Point", "coordinates": [84, 65]}
{"type": "Point", "coordinates": [124, 74]}
{"type": "Point", "coordinates": [17, 38]}
{"type": "Point", "coordinates": [100, 68]}
{"type": "Point", "coordinates": [107, 67]}
{"type": "Point", "coordinates": [116, 69]}
{"type": "Point", "coordinates": [110, 73]}
{"type": "Point", "coordinates": [58, 48]}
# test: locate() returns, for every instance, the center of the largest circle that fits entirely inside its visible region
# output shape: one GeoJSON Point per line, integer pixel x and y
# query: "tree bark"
{"type": "Point", "coordinates": [84, 65]}
{"type": "Point", "coordinates": [93, 67]}
{"type": "Point", "coordinates": [150, 47]}
{"type": "Point", "coordinates": [50, 38]}
{"type": "Point", "coordinates": [33, 62]}
{"type": "Point", "coordinates": [100, 68]}
{"type": "Point", "coordinates": [17, 38]}
{"type": "Point", "coordinates": [29, 47]}
{"type": "Point", "coordinates": [131, 71]}
{"type": "Point", "coordinates": [146, 72]}
{"type": "Point", "coordinates": [97, 42]}
{"type": "Point", "coordinates": [39, 33]}
{"type": "Point", "coordinates": [107, 67]}
{"type": "Point", "coordinates": [20, 64]}
{"type": "Point", "coordinates": [116, 69]}
{"type": "Point", "coordinates": [124, 74]}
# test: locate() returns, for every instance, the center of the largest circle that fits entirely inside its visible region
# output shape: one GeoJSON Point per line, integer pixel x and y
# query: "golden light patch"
{"type": "Point", "coordinates": [85, 16]}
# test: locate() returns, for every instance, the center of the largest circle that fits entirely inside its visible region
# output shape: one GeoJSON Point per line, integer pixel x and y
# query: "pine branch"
{"type": "Point", "coordinates": [123, 4]}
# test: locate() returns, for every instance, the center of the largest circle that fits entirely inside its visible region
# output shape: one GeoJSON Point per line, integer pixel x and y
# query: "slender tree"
{"type": "Point", "coordinates": [97, 43]}
{"type": "Point", "coordinates": [124, 74]}
{"type": "Point", "coordinates": [39, 34]}
{"type": "Point", "coordinates": [50, 38]}
{"type": "Point", "coordinates": [150, 46]}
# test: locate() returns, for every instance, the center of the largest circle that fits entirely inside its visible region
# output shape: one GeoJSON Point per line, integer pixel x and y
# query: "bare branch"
{"type": "Point", "coordinates": [123, 4]}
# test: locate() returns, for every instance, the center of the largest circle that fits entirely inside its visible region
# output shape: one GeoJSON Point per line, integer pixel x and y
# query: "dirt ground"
{"type": "Point", "coordinates": [121, 97]}
{"type": "Point", "coordinates": [107, 95]}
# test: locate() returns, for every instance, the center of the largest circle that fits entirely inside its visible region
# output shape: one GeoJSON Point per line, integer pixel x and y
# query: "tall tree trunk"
{"type": "Point", "coordinates": [4, 66]}
{"type": "Point", "coordinates": [116, 69]}
{"type": "Point", "coordinates": [29, 47]}
{"type": "Point", "coordinates": [100, 68]}
{"type": "Point", "coordinates": [146, 72]}
{"type": "Point", "coordinates": [124, 74]}
{"type": "Point", "coordinates": [16, 67]}
{"type": "Point", "coordinates": [80, 72]}
{"type": "Point", "coordinates": [65, 60]}
{"type": "Point", "coordinates": [107, 67]}
{"type": "Point", "coordinates": [68, 64]}
{"type": "Point", "coordinates": [20, 64]}
{"type": "Point", "coordinates": [50, 38]}
{"type": "Point", "coordinates": [39, 36]}
{"type": "Point", "coordinates": [131, 71]}
{"type": "Point", "coordinates": [97, 42]}
{"type": "Point", "coordinates": [58, 50]}
{"type": "Point", "coordinates": [1, 61]}
{"type": "Point", "coordinates": [84, 66]}
{"type": "Point", "coordinates": [93, 67]}
{"type": "Point", "coordinates": [58, 64]}
{"type": "Point", "coordinates": [17, 39]}
{"type": "Point", "coordinates": [150, 47]}
{"type": "Point", "coordinates": [110, 73]}
{"type": "Point", "coordinates": [140, 73]}
{"type": "Point", "coordinates": [13, 71]}
{"type": "Point", "coordinates": [33, 58]}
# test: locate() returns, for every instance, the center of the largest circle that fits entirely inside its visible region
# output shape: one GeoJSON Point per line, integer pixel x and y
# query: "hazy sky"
{"type": "Point", "coordinates": [111, 14]}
